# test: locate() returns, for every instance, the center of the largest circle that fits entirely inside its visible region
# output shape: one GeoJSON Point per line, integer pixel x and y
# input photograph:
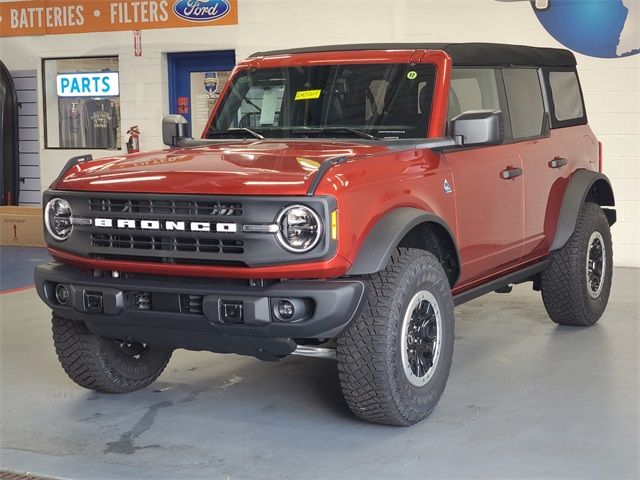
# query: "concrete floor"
{"type": "Point", "coordinates": [525, 399]}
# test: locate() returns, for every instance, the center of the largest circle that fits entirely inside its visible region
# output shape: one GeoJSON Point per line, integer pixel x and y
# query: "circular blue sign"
{"type": "Point", "coordinates": [598, 28]}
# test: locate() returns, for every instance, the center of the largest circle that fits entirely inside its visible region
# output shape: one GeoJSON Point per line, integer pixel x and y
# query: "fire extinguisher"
{"type": "Point", "coordinates": [133, 144]}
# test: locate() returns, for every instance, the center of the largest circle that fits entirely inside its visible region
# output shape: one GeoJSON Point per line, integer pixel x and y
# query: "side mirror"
{"type": "Point", "coordinates": [478, 127]}
{"type": "Point", "coordinates": [174, 129]}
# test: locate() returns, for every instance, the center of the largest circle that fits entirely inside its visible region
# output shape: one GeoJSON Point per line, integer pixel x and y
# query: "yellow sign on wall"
{"type": "Point", "coordinates": [53, 17]}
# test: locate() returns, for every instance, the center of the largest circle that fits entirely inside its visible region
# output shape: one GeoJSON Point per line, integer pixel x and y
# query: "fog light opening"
{"type": "Point", "coordinates": [286, 310]}
{"type": "Point", "coordinates": [62, 294]}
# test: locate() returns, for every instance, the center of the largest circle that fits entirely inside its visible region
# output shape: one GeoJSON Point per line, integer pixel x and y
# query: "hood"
{"type": "Point", "coordinates": [266, 167]}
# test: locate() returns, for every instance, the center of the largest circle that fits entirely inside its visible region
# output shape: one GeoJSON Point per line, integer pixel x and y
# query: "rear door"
{"type": "Point", "coordinates": [490, 208]}
{"type": "Point", "coordinates": [543, 154]}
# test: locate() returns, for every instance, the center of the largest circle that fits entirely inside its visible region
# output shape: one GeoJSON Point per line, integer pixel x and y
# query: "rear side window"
{"type": "Point", "coordinates": [566, 105]}
{"type": "Point", "coordinates": [526, 106]}
{"type": "Point", "coordinates": [472, 89]}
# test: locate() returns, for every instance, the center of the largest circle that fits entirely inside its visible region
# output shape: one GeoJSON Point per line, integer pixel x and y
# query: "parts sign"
{"type": "Point", "coordinates": [101, 84]}
{"type": "Point", "coordinates": [51, 17]}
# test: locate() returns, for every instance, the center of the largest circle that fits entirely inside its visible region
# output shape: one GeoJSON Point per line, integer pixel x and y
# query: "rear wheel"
{"type": "Point", "coordinates": [575, 288]}
{"type": "Point", "coordinates": [394, 359]}
{"type": "Point", "coordinates": [105, 364]}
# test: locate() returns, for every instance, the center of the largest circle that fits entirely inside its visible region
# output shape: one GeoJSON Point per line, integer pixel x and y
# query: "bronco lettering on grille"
{"type": "Point", "coordinates": [166, 225]}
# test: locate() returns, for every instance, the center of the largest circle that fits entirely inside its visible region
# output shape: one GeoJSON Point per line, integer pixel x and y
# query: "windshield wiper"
{"type": "Point", "coordinates": [237, 130]}
{"type": "Point", "coordinates": [321, 130]}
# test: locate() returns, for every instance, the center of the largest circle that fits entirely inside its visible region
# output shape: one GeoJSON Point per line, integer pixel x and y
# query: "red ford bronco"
{"type": "Point", "coordinates": [340, 202]}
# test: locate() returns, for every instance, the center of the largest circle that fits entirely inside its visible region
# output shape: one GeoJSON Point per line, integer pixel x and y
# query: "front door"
{"type": "Point", "coordinates": [195, 82]}
{"type": "Point", "coordinates": [489, 186]}
{"type": "Point", "coordinates": [489, 207]}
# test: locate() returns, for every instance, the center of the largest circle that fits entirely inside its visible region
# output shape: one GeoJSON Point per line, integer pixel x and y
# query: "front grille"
{"type": "Point", "coordinates": [181, 229]}
{"type": "Point", "coordinates": [206, 208]}
{"type": "Point", "coordinates": [167, 243]}
{"type": "Point", "coordinates": [163, 302]}
{"type": "Point", "coordinates": [138, 301]}
{"type": "Point", "coordinates": [191, 304]}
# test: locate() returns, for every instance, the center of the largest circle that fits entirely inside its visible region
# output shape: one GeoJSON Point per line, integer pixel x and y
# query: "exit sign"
{"type": "Point", "coordinates": [102, 84]}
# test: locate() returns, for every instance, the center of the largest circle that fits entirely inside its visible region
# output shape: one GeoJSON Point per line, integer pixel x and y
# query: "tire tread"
{"type": "Point", "coordinates": [82, 359]}
{"type": "Point", "coordinates": [362, 367]}
{"type": "Point", "coordinates": [563, 288]}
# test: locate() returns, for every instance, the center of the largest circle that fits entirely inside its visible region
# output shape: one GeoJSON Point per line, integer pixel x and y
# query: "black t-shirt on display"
{"type": "Point", "coordinates": [101, 121]}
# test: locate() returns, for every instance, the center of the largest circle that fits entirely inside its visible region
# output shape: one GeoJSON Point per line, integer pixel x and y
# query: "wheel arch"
{"type": "Point", "coordinates": [412, 228]}
{"type": "Point", "coordinates": [584, 186]}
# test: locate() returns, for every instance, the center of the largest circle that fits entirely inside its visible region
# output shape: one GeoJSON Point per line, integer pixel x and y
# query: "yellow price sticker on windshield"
{"type": "Point", "coordinates": [308, 94]}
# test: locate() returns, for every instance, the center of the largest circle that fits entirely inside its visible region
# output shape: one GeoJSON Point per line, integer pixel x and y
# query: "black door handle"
{"type": "Point", "coordinates": [558, 162]}
{"type": "Point", "coordinates": [510, 173]}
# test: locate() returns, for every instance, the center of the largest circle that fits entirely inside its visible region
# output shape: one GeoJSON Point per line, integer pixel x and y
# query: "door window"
{"type": "Point", "coordinates": [472, 89]}
{"type": "Point", "coordinates": [524, 97]}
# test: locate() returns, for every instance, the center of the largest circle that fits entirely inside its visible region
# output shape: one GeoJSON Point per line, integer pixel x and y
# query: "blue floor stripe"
{"type": "Point", "coordinates": [17, 265]}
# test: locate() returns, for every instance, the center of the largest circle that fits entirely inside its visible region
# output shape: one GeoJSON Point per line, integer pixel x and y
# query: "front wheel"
{"type": "Point", "coordinates": [105, 364]}
{"type": "Point", "coordinates": [575, 288]}
{"type": "Point", "coordinates": [394, 359]}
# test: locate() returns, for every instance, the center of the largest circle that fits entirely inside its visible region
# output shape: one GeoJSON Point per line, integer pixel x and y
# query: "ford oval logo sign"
{"type": "Point", "coordinates": [201, 10]}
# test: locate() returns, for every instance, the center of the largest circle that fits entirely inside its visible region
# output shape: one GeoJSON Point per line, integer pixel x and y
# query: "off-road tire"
{"type": "Point", "coordinates": [98, 363]}
{"type": "Point", "coordinates": [370, 365]}
{"type": "Point", "coordinates": [564, 284]}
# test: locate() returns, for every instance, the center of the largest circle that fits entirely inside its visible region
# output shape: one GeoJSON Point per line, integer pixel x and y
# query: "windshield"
{"type": "Point", "coordinates": [366, 101]}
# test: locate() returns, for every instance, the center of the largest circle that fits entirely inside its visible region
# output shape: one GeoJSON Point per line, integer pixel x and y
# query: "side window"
{"type": "Point", "coordinates": [472, 89]}
{"type": "Point", "coordinates": [566, 98]}
{"type": "Point", "coordinates": [526, 106]}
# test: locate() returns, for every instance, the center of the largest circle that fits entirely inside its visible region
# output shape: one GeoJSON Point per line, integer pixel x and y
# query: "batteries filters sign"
{"type": "Point", "coordinates": [51, 17]}
{"type": "Point", "coordinates": [103, 84]}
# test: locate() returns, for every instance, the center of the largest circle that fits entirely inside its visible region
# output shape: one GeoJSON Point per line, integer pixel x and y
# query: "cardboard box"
{"type": "Point", "coordinates": [21, 226]}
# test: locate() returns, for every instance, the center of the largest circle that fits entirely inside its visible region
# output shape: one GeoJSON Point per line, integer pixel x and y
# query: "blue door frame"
{"type": "Point", "coordinates": [182, 64]}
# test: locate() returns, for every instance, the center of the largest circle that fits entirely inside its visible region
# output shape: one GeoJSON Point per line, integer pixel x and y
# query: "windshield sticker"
{"type": "Point", "coordinates": [308, 94]}
{"type": "Point", "coordinates": [269, 106]}
{"type": "Point", "coordinates": [412, 75]}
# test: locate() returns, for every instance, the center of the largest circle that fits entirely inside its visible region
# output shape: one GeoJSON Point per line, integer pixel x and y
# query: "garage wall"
{"type": "Point", "coordinates": [612, 86]}
{"type": "Point", "coordinates": [26, 87]}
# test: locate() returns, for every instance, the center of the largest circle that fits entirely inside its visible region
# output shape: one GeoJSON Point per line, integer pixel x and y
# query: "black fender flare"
{"type": "Point", "coordinates": [582, 182]}
{"type": "Point", "coordinates": [375, 252]}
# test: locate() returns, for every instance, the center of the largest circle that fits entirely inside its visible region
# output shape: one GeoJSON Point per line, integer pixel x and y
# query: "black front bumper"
{"type": "Point", "coordinates": [166, 320]}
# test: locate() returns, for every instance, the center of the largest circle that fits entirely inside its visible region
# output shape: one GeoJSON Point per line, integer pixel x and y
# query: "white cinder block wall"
{"type": "Point", "coordinates": [612, 86]}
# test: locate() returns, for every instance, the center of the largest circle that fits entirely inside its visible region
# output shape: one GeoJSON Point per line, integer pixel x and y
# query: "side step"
{"type": "Point", "coordinates": [502, 283]}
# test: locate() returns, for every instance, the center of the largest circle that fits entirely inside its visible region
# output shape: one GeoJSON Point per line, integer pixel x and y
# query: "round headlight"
{"type": "Point", "coordinates": [300, 228]}
{"type": "Point", "coordinates": [57, 218]}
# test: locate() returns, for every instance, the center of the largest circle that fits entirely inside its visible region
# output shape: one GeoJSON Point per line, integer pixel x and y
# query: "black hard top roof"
{"type": "Point", "coordinates": [470, 54]}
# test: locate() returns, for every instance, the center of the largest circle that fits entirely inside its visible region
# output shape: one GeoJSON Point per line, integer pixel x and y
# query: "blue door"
{"type": "Point", "coordinates": [206, 72]}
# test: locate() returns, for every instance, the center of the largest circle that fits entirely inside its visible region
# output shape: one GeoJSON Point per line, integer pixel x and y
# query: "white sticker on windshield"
{"type": "Point", "coordinates": [269, 104]}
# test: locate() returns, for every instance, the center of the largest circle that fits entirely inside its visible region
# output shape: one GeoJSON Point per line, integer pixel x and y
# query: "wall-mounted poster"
{"type": "Point", "coordinates": [598, 28]}
{"type": "Point", "coordinates": [205, 91]}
